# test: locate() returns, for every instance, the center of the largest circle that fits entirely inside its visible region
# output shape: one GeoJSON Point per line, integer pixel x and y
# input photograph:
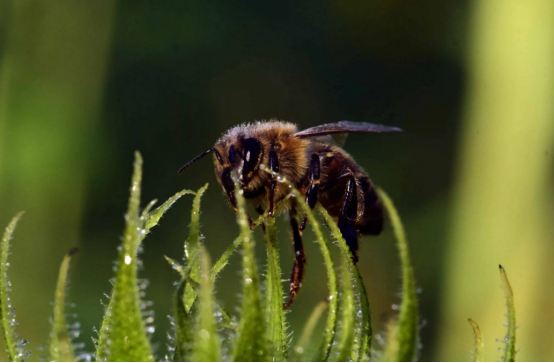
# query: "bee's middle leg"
{"type": "Point", "coordinates": [300, 260]}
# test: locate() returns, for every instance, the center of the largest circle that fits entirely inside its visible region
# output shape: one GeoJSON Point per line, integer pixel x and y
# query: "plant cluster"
{"type": "Point", "coordinates": [204, 330]}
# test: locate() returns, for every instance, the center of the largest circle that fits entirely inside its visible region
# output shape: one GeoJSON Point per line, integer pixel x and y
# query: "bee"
{"type": "Point", "coordinates": [320, 169]}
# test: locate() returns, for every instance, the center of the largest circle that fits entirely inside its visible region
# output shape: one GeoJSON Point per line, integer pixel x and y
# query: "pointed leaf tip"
{"type": "Point", "coordinates": [61, 347]}
{"type": "Point", "coordinates": [510, 349]}
{"type": "Point", "coordinates": [73, 251]}
{"type": "Point", "coordinates": [479, 343]}
{"type": "Point", "coordinates": [123, 334]}
{"type": "Point", "coordinates": [176, 266]}
{"type": "Point", "coordinates": [152, 218]}
{"type": "Point", "coordinates": [191, 245]}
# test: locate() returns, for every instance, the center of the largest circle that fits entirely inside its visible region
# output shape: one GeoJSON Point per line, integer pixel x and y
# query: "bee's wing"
{"type": "Point", "coordinates": [345, 127]}
{"type": "Point", "coordinates": [334, 139]}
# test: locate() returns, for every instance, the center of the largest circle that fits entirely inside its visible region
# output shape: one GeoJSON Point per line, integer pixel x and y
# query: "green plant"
{"type": "Point", "coordinates": [15, 345]}
{"type": "Point", "coordinates": [403, 333]}
{"type": "Point", "coordinates": [510, 337]}
{"type": "Point", "coordinates": [202, 325]}
{"type": "Point", "coordinates": [61, 348]}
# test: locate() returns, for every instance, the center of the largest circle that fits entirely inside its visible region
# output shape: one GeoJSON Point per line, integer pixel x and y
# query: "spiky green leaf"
{"type": "Point", "coordinates": [362, 330]}
{"type": "Point", "coordinates": [15, 345]}
{"type": "Point", "coordinates": [274, 313]}
{"type": "Point", "coordinates": [364, 322]}
{"type": "Point", "coordinates": [347, 312]}
{"type": "Point", "coordinates": [128, 340]}
{"type": "Point", "coordinates": [191, 246]}
{"type": "Point", "coordinates": [176, 266]}
{"type": "Point", "coordinates": [479, 350]}
{"type": "Point", "coordinates": [510, 338]}
{"type": "Point", "coordinates": [403, 336]}
{"type": "Point", "coordinates": [155, 216]}
{"type": "Point", "coordinates": [251, 342]}
{"type": "Point", "coordinates": [61, 348]}
{"type": "Point", "coordinates": [137, 227]}
{"type": "Point", "coordinates": [224, 259]}
{"type": "Point", "coordinates": [184, 320]}
{"type": "Point", "coordinates": [207, 346]}
{"type": "Point", "coordinates": [183, 326]}
{"type": "Point", "coordinates": [307, 332]}
{"type": "Point", "coordinates": [101, 344]}
{"type": "Point", "coordinates": [331, 325]}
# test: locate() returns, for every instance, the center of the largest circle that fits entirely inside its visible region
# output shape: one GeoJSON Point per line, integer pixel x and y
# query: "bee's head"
{"type": "Point", "coordinates": [243, 155]}
{"type": "Point", "coordinates": [236, 151]}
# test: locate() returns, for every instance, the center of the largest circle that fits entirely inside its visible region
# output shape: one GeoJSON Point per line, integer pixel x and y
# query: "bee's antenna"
{"type": "Point", "coordinates": [198, 158]}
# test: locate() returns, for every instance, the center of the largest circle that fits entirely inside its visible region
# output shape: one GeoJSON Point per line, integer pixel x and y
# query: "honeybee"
{"type": "Point", "coordinates": [321, 170]}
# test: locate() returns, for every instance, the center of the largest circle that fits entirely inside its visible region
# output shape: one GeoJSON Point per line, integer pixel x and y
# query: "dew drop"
{"type": "Point", "coordinates": [73, 333]}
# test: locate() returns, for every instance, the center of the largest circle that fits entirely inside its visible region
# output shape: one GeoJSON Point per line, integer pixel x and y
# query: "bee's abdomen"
{"type": "Point", "coordinates": [369, 219]}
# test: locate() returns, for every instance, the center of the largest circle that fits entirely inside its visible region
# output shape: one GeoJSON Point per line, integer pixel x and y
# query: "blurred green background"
{"type": "Point", "coordinates": [85, 83]}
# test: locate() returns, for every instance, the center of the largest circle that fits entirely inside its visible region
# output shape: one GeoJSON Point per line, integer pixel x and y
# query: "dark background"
{"type": "Point", "coordinates": [84, 84]}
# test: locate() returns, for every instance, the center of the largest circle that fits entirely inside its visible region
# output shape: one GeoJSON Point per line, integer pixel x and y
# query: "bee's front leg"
{"type": "Point", "coordinates": [313, 189]}
{"type": "Point", "coordinates": [273, 166]}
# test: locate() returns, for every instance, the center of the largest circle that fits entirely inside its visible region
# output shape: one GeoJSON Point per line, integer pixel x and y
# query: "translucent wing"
{"type": "Point", "coordinates": [345, 127]}
{"type": "Point", "coordinates": [334, 139]}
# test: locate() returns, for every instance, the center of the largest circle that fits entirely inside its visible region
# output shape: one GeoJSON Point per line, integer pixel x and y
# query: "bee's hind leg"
{"type": "Point", "coordinates": [313, 189]}
{"type": "Point", "coordinates": [347, 216]}
{"type": "Point", "coordinates": [300, 260]}
{"type": "Point", "coordinates": [312, 194]}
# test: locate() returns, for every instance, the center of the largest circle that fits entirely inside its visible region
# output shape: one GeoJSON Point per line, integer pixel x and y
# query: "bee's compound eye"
{"type": "Point", "coordinates": [252, 152]}
{"type": "Point", "coordinates": [232, 154]}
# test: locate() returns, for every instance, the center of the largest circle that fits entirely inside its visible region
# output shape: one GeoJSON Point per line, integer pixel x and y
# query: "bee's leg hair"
{"type": "Point", "coordinates": [273, 166]}
{"type": "Point", "coordinates": [300, 260]}
{"type": "Point", "coordinates": [348, 214]}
